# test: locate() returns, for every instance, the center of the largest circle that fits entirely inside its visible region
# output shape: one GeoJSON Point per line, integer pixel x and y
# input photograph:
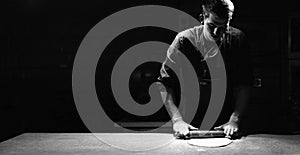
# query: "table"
{"type": "Point", "coordinates": [87, 143]}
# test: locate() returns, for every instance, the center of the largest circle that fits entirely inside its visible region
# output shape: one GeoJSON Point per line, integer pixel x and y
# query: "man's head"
{"type": "Point", "coordinates": [217, 15]}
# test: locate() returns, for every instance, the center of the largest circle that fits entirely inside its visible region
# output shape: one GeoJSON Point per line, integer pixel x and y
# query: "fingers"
{"type": "Point", "coordinates": [232, 130]}
{"type": "Point", "coordinates": [192, 127]}
{"type": "Point", "coordinates": [176, 134]}
{"type": "Point", "coordinates": [185, 131]}
{"type": "Point", "coordinates": [181, 132]}
{"type": "Point", "coordinates": [229, 131]}
{"type": "Point", "coordinates": [235, 129]}
{"type": "Point", "coordinates": [218, 127]}
{"type": "Point", "coordinates": [226, 131]}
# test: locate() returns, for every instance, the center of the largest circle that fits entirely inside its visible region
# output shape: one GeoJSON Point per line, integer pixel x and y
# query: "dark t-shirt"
{"type": "Point", "coordinates": [200, 51]}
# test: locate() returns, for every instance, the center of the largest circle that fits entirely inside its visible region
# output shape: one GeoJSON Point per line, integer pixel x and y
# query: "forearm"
{"type": "Point", "coordinates": [242, 100]}
{"type": "Point", "coordinates": [172, 109]}
{"type": "Point", "coordinates": [168, 100]}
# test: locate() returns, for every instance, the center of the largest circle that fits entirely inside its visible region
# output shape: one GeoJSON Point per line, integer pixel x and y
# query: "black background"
{"type": "Point", "coordinates": [40, 39]}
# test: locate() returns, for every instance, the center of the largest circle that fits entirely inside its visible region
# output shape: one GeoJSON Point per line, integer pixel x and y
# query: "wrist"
{"type": "Point", "coordinates": [176, 119]}
{"type": "Point", "coordinates": [234, 118]}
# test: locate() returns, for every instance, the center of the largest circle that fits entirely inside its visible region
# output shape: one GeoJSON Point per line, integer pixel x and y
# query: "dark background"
{"type": "Point", "coordinates": [41, 37]}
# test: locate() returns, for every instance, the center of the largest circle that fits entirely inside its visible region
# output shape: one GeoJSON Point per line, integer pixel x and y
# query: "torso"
{"type": "Point", "coordinates": [210, 51]}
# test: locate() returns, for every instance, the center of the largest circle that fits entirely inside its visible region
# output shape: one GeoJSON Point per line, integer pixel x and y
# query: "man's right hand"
{"type": "Point", "coordinates": [182, 128]}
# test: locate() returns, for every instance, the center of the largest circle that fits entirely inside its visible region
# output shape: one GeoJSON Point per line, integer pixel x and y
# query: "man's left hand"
{"type": "Point", "coordinates": [229, 128]}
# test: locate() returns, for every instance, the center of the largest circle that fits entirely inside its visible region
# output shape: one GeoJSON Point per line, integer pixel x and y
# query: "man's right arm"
{"type": "Point", "coordinates": [168, 100]}
{"type": "Point", "coordinates": [180, 127]}
{"type": "Point", "coordinates": [167, 91]}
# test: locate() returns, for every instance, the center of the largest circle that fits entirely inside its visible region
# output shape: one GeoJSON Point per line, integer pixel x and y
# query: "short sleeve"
{"type": "Point", "coordinates": [244, 69]}
{"type": "Point", "coordinates": [171, 65]}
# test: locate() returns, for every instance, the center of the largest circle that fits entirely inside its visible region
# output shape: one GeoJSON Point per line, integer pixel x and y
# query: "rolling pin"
{"type": "Point", "coordinates": [205, 134]}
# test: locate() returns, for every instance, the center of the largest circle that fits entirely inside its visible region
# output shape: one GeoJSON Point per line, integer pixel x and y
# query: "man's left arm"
{"type": "Point", "coordinates": [242, 90]}
{"type": "Point", "coordinates": [242, 95]}
{"type": "Point", "coordinates": [242, 100]}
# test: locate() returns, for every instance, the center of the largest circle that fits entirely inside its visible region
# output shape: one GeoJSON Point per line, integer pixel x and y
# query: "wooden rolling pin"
{"type": "Point", "coordinates": [205, 134]}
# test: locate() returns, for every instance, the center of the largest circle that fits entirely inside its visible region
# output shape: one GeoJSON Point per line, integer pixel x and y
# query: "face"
{"type": "Point", "coordinates": [215, 26]}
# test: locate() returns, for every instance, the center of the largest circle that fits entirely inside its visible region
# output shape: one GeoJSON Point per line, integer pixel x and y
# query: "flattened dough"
{"type": "Point", "coordinates": [210, 142]}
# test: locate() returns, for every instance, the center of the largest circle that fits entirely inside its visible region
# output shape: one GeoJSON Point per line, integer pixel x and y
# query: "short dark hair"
{"type": "Point", "coordinates": [222, 8]}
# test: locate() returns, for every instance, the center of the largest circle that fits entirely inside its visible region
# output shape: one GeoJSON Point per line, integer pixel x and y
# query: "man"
{"type": "Point", "coordinates": [214, 38]}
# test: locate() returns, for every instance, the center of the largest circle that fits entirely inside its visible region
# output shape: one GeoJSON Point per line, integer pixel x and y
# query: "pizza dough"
{"type": "Point", "coordinates": [210, 142]}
